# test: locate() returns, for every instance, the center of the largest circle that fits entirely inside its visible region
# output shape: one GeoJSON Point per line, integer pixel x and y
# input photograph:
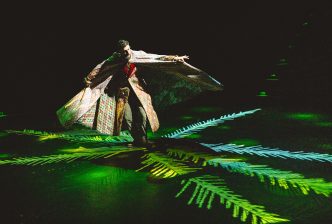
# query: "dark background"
{"type": "Point", "coordinates": [47, 48]}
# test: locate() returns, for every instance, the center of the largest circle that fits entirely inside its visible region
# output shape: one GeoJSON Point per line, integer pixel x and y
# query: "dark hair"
{"type": "Point", "coordinates": [122, 44]}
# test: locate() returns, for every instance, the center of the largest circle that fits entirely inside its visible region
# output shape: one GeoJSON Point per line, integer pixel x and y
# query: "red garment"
{"type": "Point", "coordinates": [130, 70]}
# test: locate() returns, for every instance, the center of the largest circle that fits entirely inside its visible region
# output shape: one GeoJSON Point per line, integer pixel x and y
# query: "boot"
{"type": "Point", "coordinates": [140, 141]}
{"type": "Point", "coordinates": [143, 142]}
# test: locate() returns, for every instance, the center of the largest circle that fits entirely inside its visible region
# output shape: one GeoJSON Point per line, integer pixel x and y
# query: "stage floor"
{"type": "Point", "coordinates": [230, 181]}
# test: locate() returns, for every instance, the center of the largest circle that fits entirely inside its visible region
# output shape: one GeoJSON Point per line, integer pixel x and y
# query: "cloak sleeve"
{"type": "Point", "coordinates": [166, 64]}
{"type": "Point", "coordinates": [100, 76]}
{"type": "Point", "coordinates": [103, 70]}
{"type": "Point", "coordinates": [172, 82]}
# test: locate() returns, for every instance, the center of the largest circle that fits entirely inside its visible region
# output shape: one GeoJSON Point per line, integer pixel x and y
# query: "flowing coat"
{"type": "Point", "coordinates": [169, 81]}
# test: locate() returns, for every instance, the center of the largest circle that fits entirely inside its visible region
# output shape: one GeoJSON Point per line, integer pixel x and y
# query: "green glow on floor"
{"type": "Point", "coordinates": [324, 124]}
{"type": "Point", "coordinates": [245, 142]}
{"type": "Point", "coordinates": [305, 24]}
{"type": "Point", "coordinates": [150, 134]}
{"type": "Point", "coordinates": [272, 77]}
{"type": "Point", "coordinates": [4, 155]}
{"type": "Point", "coordinates": [109, 175]}
{"type": "Point", "coordinates": [3, 134]}
{"type": "Point", "coordinates": [325, 146]}
{"type": "Point", "coordinates": [105, 187]}
{"type": "Point", "coordinates": [262, 94]}
{"type": "Point", "coordinates": [92, 174]}
{"type": "Point", "coordinates": [194, 136]}
{"type": "Point", "coordinates": [204, 109]}
{"type": "Point", "coordinates": [95, 173]}
{"type": "Point", "coordinates": [304, 116]}
{"type": "Point", "coordinates": [186, 118]}
{"type": "Point", "coordinates": [2, 114]}
{"type": "Point", "coordinates": [224, 127]}
{"type": "Point", "coordinates": [282, 62]}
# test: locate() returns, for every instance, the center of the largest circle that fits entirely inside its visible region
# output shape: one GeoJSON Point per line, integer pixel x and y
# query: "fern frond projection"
{"type": "Point", "coordinates": [124, 137]}
{"type": "Point", "coordinates": [270, 152]}
{"type": "Point", "coordinates": [284, 179]}
{"type": "Point", "coordinates": [209, 187]}
{"type": "Point", "coordinates": [165, 166]}
{"type": "Point", "coordinates": [196, 127]}
{"type": "Point", "coordinates": [58, 158]}
{"type": "Point", "coordinates": [196, 156]}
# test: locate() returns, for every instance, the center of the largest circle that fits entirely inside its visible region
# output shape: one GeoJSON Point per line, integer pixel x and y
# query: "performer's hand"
{"type": "Point", "coordinates": [181, 58]}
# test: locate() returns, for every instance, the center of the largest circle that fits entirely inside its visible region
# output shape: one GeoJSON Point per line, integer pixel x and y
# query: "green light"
{"type": "Point", "coordinates": [282, 62]}
{"type": "Point", "coordinates": [2, 114]}
{"type": "Point", "coordinates": [324, 124]}
{"type": "Point", "coordinates": [4, 155]}
{"type": "Point", "coordinates": [194, 136]}
{"type": "Point", "coordinates": [224, 127]}
{"type": "Point", "coordinates": [185, 118]}
{"type": "Point", "coordinates": [272, 77]}
{"type": "Point", "coordinates": [304, 116]}
{"type": "Point", "coordinates": [94, 173]}
{"type": "Point", "coordinates": [3, 134]}
{"type": "Point", "coordinates": [245, 142]}
{"type": "Point", "coordinates": [204, 109]}
{"type": "Point", "coordinates": [150, 134]}
{"type": "Point", "coordinates": [262, 94]}
{"type": "Point", "coordinates": [291, 46]}
{"type": "Point", "coordinates": [325, 146]}
{"type": "Point", "coordinates": [305, 24]}
{"type": "Point", "coordinates": [313, 119]}
{"type": "Point", "coordinates": [87, 175]}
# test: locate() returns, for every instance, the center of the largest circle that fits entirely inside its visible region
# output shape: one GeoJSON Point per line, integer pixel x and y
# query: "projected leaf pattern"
{"type": "Point", "coordinates": [124, 136]}
{"type": "Point", "coordinates": [164, 166]}
{"type": "Point", "coordinates": [193, 165]}
{"type": "Point", "coordinates": [284, 179]}
{"type": "Point", "coordinates": [269, 152]}
{"type": "Point", "coordinates": [209, 187]}
{"type": "Point", "coordinates": [58, 158]}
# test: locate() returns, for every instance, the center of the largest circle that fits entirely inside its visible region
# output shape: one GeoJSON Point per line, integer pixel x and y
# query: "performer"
{"type": "Point", "coordinates": [116, 96]}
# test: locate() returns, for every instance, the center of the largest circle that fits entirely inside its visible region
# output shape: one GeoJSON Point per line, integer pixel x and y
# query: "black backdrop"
{"type": "Point", "coordinates": [47, 48]}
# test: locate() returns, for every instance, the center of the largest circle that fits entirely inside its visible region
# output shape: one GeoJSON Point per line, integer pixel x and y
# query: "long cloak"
{"type": "Point", "coordinates": [169, 81]}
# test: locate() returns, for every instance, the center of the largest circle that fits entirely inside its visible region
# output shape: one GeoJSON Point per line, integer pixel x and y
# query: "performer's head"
{"type": "Point", "coordinates": [124, 49]}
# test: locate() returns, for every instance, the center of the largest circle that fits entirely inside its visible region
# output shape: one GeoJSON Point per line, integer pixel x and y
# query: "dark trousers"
{"type": "Point", "coordinates": [135, 118]}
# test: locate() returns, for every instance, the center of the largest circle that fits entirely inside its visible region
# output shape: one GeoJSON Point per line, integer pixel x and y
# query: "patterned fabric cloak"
{"type": "Point", "coordinates": [168, 81]}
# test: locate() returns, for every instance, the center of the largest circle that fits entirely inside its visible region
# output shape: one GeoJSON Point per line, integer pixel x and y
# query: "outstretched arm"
{"type": "Point", "coordinates": [174, 58]}
{"type": "Point", "coordinates": [141, 56]}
